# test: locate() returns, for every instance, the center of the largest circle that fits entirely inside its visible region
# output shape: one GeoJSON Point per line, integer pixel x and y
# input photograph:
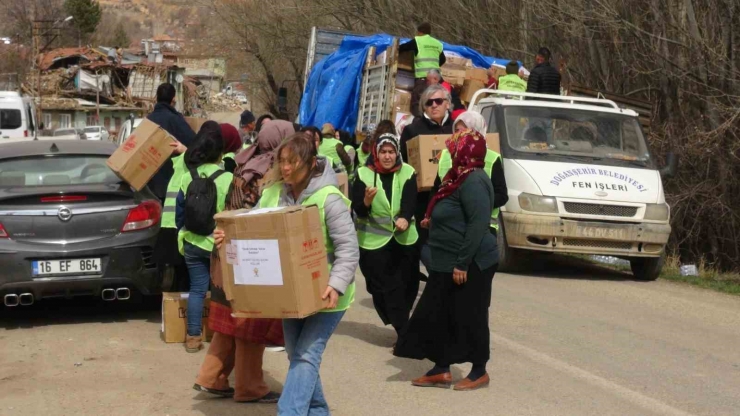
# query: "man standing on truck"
{"type": "Point", "coordinates": [428, 55]}
{"type": "Point", "coordinates": [512, 81]}
{"type": "Point", "coordinates": [544, 78]}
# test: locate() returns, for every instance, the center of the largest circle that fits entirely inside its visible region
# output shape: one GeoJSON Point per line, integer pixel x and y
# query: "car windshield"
{"type": "Point", "coordinates": [581, 134]}
{"type": "Point", "coordinates": [10, 119]}
{"type": "Point", "coordinates": [92, 129]}
{"type": "Point", "coordinates": [65, 132]}
{"type": "Point", "coordinates": [56, 171]}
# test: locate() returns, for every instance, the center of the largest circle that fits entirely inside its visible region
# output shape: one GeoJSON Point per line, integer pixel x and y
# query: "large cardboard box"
{"type": "Point", "coordinates": [498, 71]}
{"type": "Point", "coordinates": [174, 317]}
{"type": "Point", "coordinates": [406, 60]}
{"type": "Point", "coordinates": [458, 61]}
{"type": "Point", "coordinates": [195, 123]}
{"type": "Point", "coordinates": [405, 80]}
{"type": "Point", "coordinates": [469, 89]}
{"type": "Point", "coordinates": [454, 74]}
{"type": "Point", "coordinates": [276, 265]}
{"type": "Point", "coordinates": [402, 101]}
{"type": "Point", "coordinates": [477, 74]}
{"type": "Point", "coordinates": [424, 152]}
{"type": "Point", "coordinates": [142, 154]}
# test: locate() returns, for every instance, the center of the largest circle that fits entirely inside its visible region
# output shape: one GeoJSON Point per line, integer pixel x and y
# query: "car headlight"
{"type": "Point", "coordinates": [657, 212]}
{"type": "Point", "coordinates": [537, 203]}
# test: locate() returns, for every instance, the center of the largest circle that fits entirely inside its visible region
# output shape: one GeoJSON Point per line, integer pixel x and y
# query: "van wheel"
{"type": "Point", "coordinates": [647, 269]}
{"type": "Point", "coordinates": [509, 259]}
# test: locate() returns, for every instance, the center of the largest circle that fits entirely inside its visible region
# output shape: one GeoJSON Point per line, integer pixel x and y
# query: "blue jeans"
{"type": "Point", "coordinates": [199, 269]}
{"type": "Point", "coordinates": [305, 341]}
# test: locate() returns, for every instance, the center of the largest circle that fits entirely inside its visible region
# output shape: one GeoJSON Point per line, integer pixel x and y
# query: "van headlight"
{"type": "Point", "coordinates": [537, 203]}
{"type": "Point", "coordinates": [657, 212]}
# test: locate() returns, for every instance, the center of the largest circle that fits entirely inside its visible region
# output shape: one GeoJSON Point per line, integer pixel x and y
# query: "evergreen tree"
{"type": "Point", "coordinates": [86, 15]}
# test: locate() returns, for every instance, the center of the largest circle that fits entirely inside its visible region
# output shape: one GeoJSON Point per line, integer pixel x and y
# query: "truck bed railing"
{"type": "Point", "coordinates": [544, 97]}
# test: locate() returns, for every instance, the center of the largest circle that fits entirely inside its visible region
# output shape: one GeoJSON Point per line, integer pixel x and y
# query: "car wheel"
{"type": "Point", "coordinates": [647, 268]}
{"type": "Point", "coordinates": [509, 259]}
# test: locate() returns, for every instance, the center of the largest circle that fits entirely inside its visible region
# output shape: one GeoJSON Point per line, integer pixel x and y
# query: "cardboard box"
{"type": "Point", "coordinates": [457, 61]}
{"type": "Point", "coordinates": [453, 74]}
{"type": "Point", "coordinates": [469, 89]}
{"type": "Point", "coordinates": [406, 61]}
{"type": "Point", "coordinates": [174, 317]}
{"type": "Point", "coordinates": [142, 154]}
{"type": "Point", "coordinates": [343, 180]}
{"type": "Point", "coordinates": [424, 152]}
{"type": "Point", "coordinates": [402, 101]}
{"type": "Point", "coordinates": [498, 71]}
{"type": "Point", "coordinates": [195, 123]}
{"type": "Point", "coordinates": [276, 265]}
{"type": "Point", "coordinates": [477, 74]}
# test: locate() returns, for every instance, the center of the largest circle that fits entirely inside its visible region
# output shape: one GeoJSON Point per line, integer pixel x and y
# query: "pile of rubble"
{"type": "Point", "coordinates": [219, 103]}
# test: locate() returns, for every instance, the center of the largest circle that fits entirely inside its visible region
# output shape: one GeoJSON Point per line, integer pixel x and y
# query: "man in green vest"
{"type": "Point", "coordinates": [512, 81]}
{"type": "Point", "coordinates": [428, 55]}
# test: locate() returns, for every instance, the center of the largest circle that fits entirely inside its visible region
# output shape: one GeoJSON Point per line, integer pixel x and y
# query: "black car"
{"type": "Point", "coordinates": [70, 227]}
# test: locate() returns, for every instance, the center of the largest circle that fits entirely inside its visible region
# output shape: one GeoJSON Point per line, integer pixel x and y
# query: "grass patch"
{"type": "Point", "coordinates": [708, 278]}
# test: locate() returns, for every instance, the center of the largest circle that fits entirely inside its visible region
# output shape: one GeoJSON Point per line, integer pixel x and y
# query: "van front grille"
{"type": "Point", "coordinates": [605, 244]}
{"type": "Point", "coordinates": [598, 209]}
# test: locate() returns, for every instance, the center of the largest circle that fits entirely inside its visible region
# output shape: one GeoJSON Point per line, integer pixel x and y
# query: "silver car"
{"type": "Point", "coordinates": [70, 227]}
{"type": "Point", "coordinates": [97, 133]}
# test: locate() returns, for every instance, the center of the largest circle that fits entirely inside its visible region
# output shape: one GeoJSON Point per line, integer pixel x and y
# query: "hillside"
{"type": "Point", "coordinates": [146, 18]}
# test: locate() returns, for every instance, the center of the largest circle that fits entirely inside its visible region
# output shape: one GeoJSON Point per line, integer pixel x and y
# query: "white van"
{"type": "Point", "coordinates": [580, 178]}
{"type": "Point", "coordinates": [17, 116]}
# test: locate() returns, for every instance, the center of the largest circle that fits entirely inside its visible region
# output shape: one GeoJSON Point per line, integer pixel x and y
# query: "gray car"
{"type": "Point", "coordinates": [70, 227]}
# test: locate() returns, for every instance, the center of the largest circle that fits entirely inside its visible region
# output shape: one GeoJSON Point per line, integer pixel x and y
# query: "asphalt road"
{"type": "Point", "coordinates": [575, 341]}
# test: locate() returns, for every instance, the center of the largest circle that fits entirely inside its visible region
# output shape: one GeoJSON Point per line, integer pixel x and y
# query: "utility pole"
{"type": "Point", "coordinates": [97, 98]}
{"type": "Point", "coordinates": [42, 38]}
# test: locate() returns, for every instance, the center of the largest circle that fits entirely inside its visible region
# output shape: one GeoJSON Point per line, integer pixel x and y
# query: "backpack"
{"type": "Point", "coordinates": [200, 203]}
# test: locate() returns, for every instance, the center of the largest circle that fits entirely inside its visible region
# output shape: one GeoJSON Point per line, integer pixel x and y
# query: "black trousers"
{"type": "Point", "coordinates": [392, 276]}
{"type": "Point", "coordinates": [450, 322]}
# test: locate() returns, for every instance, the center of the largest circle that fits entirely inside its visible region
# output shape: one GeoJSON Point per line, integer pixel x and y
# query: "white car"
{"type": "Point", "coordinates": [69, 134]}
{"type": "Point", "coordinates": [129, 125]}
{"type": "Point", "coordinates": [96, 133]}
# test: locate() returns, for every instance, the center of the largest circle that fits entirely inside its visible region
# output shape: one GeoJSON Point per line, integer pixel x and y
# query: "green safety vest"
{"type": "Point", "coordinates": [445, 164]}
{"type": "Point", "coordinates": [512, 82]}
{"type": "Point", "coordinates": [173, 188]}
{"type": "Point", "coordinates": [246, 146]}
{"type": "Point", "coordinates": [428, 56]}
{"type": "Point", "coordinates": [362, 156]}
{"type": "Point", "coordinates": [271, 198]}
{"type": "Point", "coordinates": [377, 230]}
{"type": "Point", "coordinates": [328, 149]}
{"type": "Point", "coordinates": [222, 188]}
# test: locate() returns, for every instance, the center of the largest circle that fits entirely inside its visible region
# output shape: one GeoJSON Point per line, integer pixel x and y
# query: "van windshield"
{"type": "Point", "coordinates": [565, 133]}
{"type": "Point", "coordinates": [10, 119]}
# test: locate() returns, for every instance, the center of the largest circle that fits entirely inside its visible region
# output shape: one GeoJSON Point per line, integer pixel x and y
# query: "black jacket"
{"type": "Point", "coordinates": [423, 125]}
{"type": "Point", "coordinates": [544, 79]}
{"type": "Point", "coordinates": [174, 123]}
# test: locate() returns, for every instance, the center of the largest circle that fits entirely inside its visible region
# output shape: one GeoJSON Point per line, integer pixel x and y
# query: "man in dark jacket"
{"type": "Point", "coordinates": [174, 123]}
{"type": "Point", "coordinates": [544, 78]}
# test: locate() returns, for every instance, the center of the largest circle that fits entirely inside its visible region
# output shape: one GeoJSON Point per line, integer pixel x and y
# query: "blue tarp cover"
{"type": "Point", "coordinates": [332, 93]}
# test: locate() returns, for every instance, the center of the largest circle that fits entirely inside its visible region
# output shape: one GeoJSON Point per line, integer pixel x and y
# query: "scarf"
{"type": "Point", "coordinates": [232, 140]}
{"type": "Point", "coordinates": [373, 161]}
{"type": "Point", "coordinates": [473, 121]}
{"type": "Point", "coordinates": [256, 160]}
{"type": "Point", "coordinates": [468, 151]}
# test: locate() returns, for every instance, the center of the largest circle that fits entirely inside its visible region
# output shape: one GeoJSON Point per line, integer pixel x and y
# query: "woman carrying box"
{"type": "Point", "coordinates": [384, 200]}
{"type": "Point", "coordinates": [239, 344]}
{"type": "Point", "coordinates": [308, 179]}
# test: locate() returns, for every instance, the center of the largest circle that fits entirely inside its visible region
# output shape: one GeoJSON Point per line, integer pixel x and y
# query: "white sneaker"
{"type": "Point", "coordinates": [274, 348]}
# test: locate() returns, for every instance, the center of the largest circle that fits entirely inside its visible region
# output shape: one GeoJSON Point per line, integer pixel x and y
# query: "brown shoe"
{"type": "Point", "coordinates": [467, 384]}
{"type": "Point", "coordinates": [193, 344]}
{"type": "Point", "coordinates": [443, 381]}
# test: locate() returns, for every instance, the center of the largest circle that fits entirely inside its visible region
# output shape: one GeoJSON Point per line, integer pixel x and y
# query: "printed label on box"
{"type": "Point", "coordinates": [257, 263]}
{"type": "Point", "coordinates": [231, 254]}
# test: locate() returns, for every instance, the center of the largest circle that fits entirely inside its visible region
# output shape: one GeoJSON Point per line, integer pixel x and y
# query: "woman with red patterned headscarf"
{"type": "Point", "coordinates": [384, 200]}
{"type": "Point", "coordinates": [450, 323]}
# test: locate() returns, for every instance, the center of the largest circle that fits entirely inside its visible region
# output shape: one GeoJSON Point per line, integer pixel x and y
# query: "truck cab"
{"type": "Point", "coordinates": [581, 180]}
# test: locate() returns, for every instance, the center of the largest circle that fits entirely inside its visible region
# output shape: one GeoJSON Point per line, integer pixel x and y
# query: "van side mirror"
{"type": "Point", "coordinates": [671, 167]}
